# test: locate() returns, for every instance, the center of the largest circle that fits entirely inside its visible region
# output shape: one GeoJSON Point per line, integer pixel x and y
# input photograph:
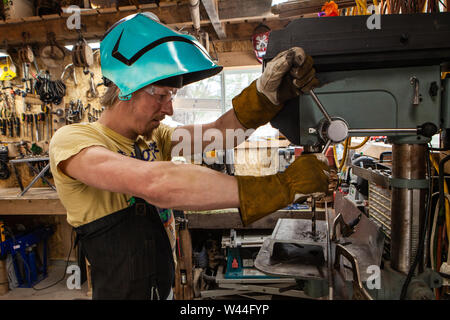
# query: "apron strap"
{"type": "Point", "coordinates": [137, 151]}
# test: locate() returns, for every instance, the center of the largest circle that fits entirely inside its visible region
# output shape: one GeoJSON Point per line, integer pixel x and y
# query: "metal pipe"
{"type": "Point", "coordinates": [407, 205]}
{"type": "Point", "coordinates": [319, 105]}
{"type": "Point", "coordinates": [383, 130]}
{"type": "Point", "coordinates": [194, 8]}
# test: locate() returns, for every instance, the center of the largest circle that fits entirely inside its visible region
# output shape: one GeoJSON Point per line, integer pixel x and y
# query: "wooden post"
{"type": "Point", "coordinates": [184, 289]}
{"type": "Point", "coordinates": [4, 285]}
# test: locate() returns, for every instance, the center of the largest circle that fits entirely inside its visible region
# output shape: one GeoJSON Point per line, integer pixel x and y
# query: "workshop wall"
{"type": "Point", "coordinates": [60, 242]}
{"type": "Point", "coordinates": [74, 91]}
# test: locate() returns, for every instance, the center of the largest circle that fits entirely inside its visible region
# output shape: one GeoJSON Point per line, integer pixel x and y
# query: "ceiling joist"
{"type": "Point", "coordinates": [211, 9]}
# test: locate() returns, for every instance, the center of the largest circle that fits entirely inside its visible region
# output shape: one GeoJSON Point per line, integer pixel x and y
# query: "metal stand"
{"type": "Point", "coordinates": [40, 175]}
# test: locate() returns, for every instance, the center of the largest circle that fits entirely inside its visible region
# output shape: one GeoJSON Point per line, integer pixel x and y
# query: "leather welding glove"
{"type": "Point", "coordinates": [260, 196]}
{"type": "Point", "coordinates": [285, 77]}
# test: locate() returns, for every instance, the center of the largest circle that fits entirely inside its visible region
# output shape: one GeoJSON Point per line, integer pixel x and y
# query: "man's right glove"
{"type": "Point", "coordinates": [260, 196]}
{"type": "Point", "coordinates": [287, 75]}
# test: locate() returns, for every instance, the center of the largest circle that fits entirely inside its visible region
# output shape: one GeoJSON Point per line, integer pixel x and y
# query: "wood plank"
{"type": "Point", "coordinates": [32, 194]}
{"type": "Point", "coordinates": [212, 10]}
{"type": "Point", "coordinates": [173, 14]}
{"type": "Point", "coordinates": [51, 16]}
{"type": "Point", "coordinates": [37, 201]}
{"type": "Point", "coordinates": [232, 219]}
{"type": "Point", "coordinates": [231, 9]}
{"type": "Point", "coordinates": [299, 8]}
{"type": "Point", "coordinates": [32, 207]}
{"type": "Point", "coordinates": [237, 59]}
{"type": "Point", "coordinates": [186, 248]}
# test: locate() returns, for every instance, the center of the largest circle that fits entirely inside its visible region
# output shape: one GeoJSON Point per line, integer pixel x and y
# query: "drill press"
{"type": "Point", "coordinates": [373, 82]}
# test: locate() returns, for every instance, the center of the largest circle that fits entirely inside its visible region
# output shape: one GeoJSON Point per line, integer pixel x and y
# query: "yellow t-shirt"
{"type": "Point", "coordinates": [85, 203]}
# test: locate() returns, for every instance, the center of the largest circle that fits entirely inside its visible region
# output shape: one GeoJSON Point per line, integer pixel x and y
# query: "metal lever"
{"type": "Point", "coordinates": [336, 130]}
{"type": "Point", "coordinates": [359, 292]}
{"type": "Point", "coordinates": [319, 104]}
{"type": "Point", "coordinates": [415, 83]}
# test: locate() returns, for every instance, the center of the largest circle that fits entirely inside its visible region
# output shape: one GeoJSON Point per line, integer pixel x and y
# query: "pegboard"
{"type": "Point", "coordinates": [76, 94]}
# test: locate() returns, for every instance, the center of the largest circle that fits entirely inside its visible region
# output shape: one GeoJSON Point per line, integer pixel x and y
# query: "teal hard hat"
{"type": "Point", "coordinates": [138, 50]}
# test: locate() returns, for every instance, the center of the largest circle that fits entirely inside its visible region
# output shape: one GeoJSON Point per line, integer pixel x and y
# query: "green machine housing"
{"type": "Point", "coordinates": [381, 82]}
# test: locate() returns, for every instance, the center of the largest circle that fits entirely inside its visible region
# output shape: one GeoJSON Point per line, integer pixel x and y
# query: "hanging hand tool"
{"type": "Point", "coordinates": [25, 124]}
{"type": "Point", "coordinates": [35, 118]}
{"type": "Point", "coordinates": [3, 126]}
{"type": "Point", "coordinates": [92, 93]}
{"type": "Point", "coordinates": [30, 121]}
{"type": "Point", "coordinates": [11, 127]}
{"type": "Point", "coordinates": [45, 115]}
{"type": "Point", "coordinates": [72, 72]}
{"type": "Point", "coordinates": [26, 77]}
{"type": "Point", "coordinates": [42, 120]}
{"type": "Point", "coordinates": [17, 126]}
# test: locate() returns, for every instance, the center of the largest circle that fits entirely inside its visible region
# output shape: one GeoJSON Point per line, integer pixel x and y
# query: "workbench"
{"type": "Point", "coordinates": [45, 201]}
{"type": "Point", "coordinates": [37, 201]}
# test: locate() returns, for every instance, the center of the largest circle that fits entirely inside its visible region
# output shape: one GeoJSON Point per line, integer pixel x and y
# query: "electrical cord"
{"type": "Point", "coordinates": [443, 184]}
{"type": "Point", "coordinates": [421, 243]}
{"type": "Point", "coordinates": [432, 236]}
{"type": "Point", "coordinates": [65, 268]}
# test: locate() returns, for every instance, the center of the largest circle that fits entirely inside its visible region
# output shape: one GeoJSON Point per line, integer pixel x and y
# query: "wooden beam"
{"type": "Point", "coordinates": [37, 201]}
{"type": "Point", "coordinates": [231, 219]}
{"type": "Point", "coordinates": [32, 207]}
{"type": "Point", "coordinates": [237, 59]}
{"type": "Point", "coordinates": [211, 9]}
{"type": "Point", "coordinates": [239, 9]}
{"type": "Point", "coordinates": [97, 22]}
{"type": "Point", "coordinates": [302, 7]}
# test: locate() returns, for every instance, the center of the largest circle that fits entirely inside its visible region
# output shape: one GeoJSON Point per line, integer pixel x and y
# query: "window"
{"type": "Point", "coordinates": [204, 101]}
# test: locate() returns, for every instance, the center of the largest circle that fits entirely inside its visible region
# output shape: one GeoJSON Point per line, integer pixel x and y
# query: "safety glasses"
{"type": "Point", "coordinates": [161, 95]}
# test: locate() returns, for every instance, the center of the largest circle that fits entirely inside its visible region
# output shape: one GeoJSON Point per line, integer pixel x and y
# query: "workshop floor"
{"type": "Point", "coordinates": [56, 292]}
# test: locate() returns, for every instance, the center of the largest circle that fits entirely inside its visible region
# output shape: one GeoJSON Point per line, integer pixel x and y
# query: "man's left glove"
{"type": "Point", "coordinates": [260, 196]}
{"type": "Point", "coordinates": [285, 77]}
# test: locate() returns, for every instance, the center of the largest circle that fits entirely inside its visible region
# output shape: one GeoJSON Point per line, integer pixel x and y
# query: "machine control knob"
{"type": "Point", "coordinates": [336, 130]}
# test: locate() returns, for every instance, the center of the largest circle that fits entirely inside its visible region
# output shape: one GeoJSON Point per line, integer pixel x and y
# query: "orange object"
{"type": "Point", "coordinates": [330, 9]}
{"type": "Point", "coordinates": [330, 157]}
{"type": "Point", "coordinates": [298, 152]}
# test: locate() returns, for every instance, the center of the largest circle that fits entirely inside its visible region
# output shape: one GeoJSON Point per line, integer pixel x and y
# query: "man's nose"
{"type": "Point", "coordinates": [167, 108]}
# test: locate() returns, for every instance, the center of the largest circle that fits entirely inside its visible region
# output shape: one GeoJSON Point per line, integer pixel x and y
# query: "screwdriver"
{"type": "Point", "coordinates": [35, 116]}
{"type": "Point", "coordinates": [30, 122]}
{"type": "Point", "coordinates": [25, 124]}
{"type": "Point", "coordinates": [17, 125]}
{"type": "Point", "coordinates": [42, 119]}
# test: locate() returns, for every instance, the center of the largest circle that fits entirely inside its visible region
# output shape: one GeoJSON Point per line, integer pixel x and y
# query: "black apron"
{"type": "Point", "coordinates": [129, 252]}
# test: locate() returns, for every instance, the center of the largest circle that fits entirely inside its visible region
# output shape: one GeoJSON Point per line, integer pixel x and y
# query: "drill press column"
{"type": "Point", "coordinates": [407, 205]}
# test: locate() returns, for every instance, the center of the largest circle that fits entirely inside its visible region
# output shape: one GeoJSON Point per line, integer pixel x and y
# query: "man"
{"type": "Point", "coordinates": [113, 198]}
